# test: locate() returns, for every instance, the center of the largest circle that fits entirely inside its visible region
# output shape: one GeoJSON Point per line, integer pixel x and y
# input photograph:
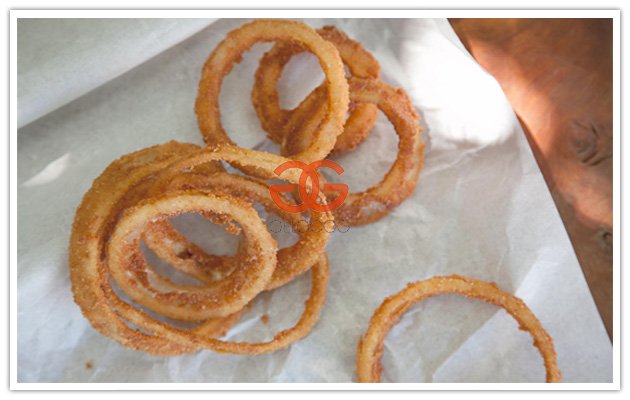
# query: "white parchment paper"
{"type": "Point", "coordinates": [481, 209]}
{"type": "Point", "coordinates": [59, 60]}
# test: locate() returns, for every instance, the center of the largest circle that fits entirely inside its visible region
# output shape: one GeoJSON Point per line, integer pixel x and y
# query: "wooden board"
{"type": "Point", "coordinates": [557, 74]}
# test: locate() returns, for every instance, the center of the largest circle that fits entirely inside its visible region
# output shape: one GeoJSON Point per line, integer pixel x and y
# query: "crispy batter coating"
{"type": "Point", "coordinates": [229, 52]}
{"type": "Point", "coordinates": [220, 298]}
{"type": "Point", "coordinates": [301, 121]}
{"type": "Point", "coordinates": [370, 347]}
{"type": "Point", "coordinates": [132, 200]}
{"type": "Point", "coordinates": [104, 244]}
{"type": "Point", "coordinates": [400, 181]}
{"type": "Point", "coordinates": [292, 261]}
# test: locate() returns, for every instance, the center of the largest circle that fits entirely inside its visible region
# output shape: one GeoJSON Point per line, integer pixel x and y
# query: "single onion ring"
{"type": "Point", "coordinates": [292, 261]}
{"type": "Point", "coordinates": [278, 123]}
{"type": "Point", "coordinates": [399, 183]}
{"type": "Point", "coordinates": [206, 268]}
{"type": "Point", "coordinates": [229, 52]}
{"type": "Point", "coordinates": [370, 347]}
{"type": "Point", "coordinates": [95, 221]}
{"type": "Point", "coordinates": [221, 298]}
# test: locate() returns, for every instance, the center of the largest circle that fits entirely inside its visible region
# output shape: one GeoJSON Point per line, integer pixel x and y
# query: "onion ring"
{"type": "Point", "coordinates": [370, 347]}
{"type": "Point", "coordinates": [292, 261]}
{"type": "Point", "coordinates": [229, 51]}
{"type": "Point", "coordinates": [207, 268]}
{"type": "Point", "coordinates": [399, 183]}
{"type": "Point", "coordinates": [91, 227]}
{"type": "Point", "coordinates": [278, 123]}
{"type": "Point", "coordinates": [90, 246]}
{"type": "Point", "coordinates": [184, 302]}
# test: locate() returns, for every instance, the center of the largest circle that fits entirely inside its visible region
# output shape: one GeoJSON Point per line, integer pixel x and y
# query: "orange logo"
{"type": "Point", "coordinates": [309, 200]}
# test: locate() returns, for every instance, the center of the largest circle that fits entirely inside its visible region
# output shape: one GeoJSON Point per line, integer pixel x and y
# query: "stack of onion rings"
{"type": "Point", "coordinates": [130, 203]}
{"type": "Point", "coordinates": [296, 130]}
{"type": "Point", "coordinates": [230, 50]}
{"type": "Point", "coordinates": [105, 244]}
{"type": "Point", "coordinates": [281, 124]}
{"type": "Point", "coordinates": [400, 181]}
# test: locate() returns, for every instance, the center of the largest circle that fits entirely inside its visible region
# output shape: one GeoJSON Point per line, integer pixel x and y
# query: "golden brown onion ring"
{"type": "Point", "coordinates": [96, 219]}
{"type": "Point", "coordinates": [370, 347]}
{"type": "Point", "coordinates": [92, 226]}
{"type": "Point", "coordinates": [229, 52]}
{"type": "Point", "coordinates": [399, 183]}
{"type": "Point", "coordinates": [312, 309]}
{"type": "Point", "coordinates": [278, 123]}
{"type": "Point", "coordinates": [206, 268]}
{"type": "Point", "coordinates": [292, 261]}
{"type": "Point", "coordinates": [220, 298]}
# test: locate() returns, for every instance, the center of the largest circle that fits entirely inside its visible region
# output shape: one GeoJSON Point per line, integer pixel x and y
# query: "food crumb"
{"type": "Point", "coordinates": [264, 318]}
{"type": "Point", "coordinates": [88, 365]}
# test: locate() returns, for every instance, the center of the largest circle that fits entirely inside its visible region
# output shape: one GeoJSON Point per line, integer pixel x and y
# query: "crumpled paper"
{"type": "Point", "coordinates": [481, 209]}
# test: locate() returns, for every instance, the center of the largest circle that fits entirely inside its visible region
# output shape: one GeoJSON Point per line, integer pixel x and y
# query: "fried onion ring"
{"type": "Point", "coordinates": [279, 123]}
{"type": "Point", "coordinates": [370, 347]}
{"type": "Point", "coordinates": [399, 183]}
{"type": "Point", "coordinates": [186, 302]}
{"type": "Point", "coordinates": [229, 52]}
{"type": "Point", "coordinates": [96, 231]}
{"type": "Point", "coordinates": [292, 261]}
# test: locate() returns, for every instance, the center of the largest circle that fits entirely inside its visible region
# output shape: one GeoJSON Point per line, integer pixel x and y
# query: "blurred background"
{"type": "Point", "coordinates": [557, 74]}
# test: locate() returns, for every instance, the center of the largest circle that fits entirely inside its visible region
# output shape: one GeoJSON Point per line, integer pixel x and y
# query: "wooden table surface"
{"type": "Point", "coordinates": [557, 74]}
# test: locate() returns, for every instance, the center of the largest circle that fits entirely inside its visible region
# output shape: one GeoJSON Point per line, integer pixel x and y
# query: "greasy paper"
{"type": "Point", "coordinates": [481, 209]}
